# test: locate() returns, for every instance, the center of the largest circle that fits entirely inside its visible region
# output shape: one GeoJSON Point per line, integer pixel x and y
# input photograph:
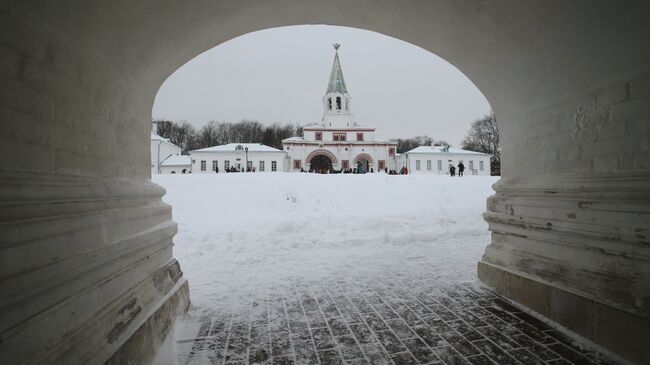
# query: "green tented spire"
{"type": "Point", "coordinates": [337, 83]}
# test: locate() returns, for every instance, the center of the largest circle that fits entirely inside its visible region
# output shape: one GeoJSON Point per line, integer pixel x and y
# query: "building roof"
{"type": "Point", "coordinates": [232, 147]}
{"type": "Point", "coordinates": [441, 150]}
{"type": "Point", "coordinates": [336, 83]}
{"type": "Point", "coordinates": [177, 160]}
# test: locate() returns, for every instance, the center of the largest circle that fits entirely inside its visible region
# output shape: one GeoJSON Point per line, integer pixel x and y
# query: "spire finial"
{"type": "Point", "coordinates": [336, 47]}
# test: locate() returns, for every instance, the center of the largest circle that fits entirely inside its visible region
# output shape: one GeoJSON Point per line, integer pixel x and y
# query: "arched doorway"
{"type": "Point", "coordinates": [363, 163]}
{"type": "Point", "coordinates": [320, 164]}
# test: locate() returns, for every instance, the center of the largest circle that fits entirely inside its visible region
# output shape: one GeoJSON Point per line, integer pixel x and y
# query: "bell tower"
{"type": "Point", "coordinates": [336, 102]}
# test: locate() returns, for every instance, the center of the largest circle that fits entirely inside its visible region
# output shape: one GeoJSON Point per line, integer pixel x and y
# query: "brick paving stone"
{"type": "Point", "coordinates": [323, 339]}
{"type": "Point", "coordinates": [381, 320]}
{"type": "Point", "coordinates": [450, 356]}
{"type": "Point", "coordinates": [480, 360]}
{"type": "Point", "coordinates": [330, 357]}
{"type": "Point", "coordinates": [400, 328]}
{"type": "Point", "coordinates": [403, 358]}
{"type": "Point", "coordinates": [390, 342]}
{"type": "Point", "coordinates": [420, 351]}
{"type": "Point", "coordinates": [526, 357]}
{"type": "Point", "coordinates": [495, 353]}
{"type": "Point", "coordinates": [349, 348]}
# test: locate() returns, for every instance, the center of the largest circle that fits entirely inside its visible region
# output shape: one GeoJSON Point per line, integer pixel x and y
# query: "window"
{"type": "Point", "coordinates": [202, 165]}
{"type": "Point", "coordinates": [338, 103]}
{"type": "Point", "coordinates": [239, 148]}
{"type": "Point", "coordinates": [319, 136]}
{"type": "Point", "coordinates": [359, 136]}
{"type": "Point", "coordinates": [439, 165]}
{"type": "Point", "coordinates": [480, 165]}
{"type": "Point", "coordinates": [329, 103]}
{"type": "Point", "coordinates": [274, 165]}
{"type": "Point", "coordinates": [346, 164]}
{"type": "Point", "coordinates": [391, 151]}
{"type": "Point", "coordinates": [417, 165]}
{"type": "Point", "coordinates": [382, 164]}
{"type": "Point", "coordinates": [428, 165]}
{"type": "Point", "coordinates": [338, 136]}
{"type": "Point", "coordinates": [296, 164]}
{"type": "Point", "coordinates": [215, 165]}
{"type": "Point", "coordinates": [261, 166]}
{"type": "Point", "coordinates": [471, 165]}
{"type": "Point", "coordinates": [226, 164]}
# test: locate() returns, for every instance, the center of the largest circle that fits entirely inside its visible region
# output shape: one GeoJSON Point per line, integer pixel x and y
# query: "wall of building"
{"type": "Point", "coordinates": [341, 152]}
{"type": "Point", "coordinates": [176, 169]}
{"type": "Point", "coordinates": [445, 161]}
{"type": "Point", "coordinates": [160, 150]}
{"type": "Point", "coordinates": [233, 158]}
{"type": "Point", "coordinates": [350, 135]}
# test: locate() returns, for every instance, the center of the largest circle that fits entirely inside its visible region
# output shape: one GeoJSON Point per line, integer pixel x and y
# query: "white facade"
{"type": "Point", "coordinates": [338, 143]}
{"type": "Point", "coordinates": [261, 158]}
{"type": "Point", "coordinates": [161, 149]}
{"type": "Point", "coordinates": [438, 159]}
{"type": "Point", "coordinates": [177, 164]}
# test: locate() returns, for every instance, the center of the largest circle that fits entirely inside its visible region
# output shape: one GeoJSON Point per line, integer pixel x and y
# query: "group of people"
{"type": "Point", "coordinates": [452, 169]}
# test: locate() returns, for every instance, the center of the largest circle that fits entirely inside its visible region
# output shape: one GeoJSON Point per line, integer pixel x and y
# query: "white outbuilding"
{"type": "Point", "coordinates": [436, 159]}
{"type": "Point", "coordinates": [254, 157]}
{"type": "Point", "coordinates": [161, 150]}
{"type": "Point", "coordinates": [176, 164]}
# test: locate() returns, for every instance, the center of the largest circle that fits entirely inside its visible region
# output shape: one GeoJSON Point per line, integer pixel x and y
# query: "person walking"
{"type": "Point", "coordinates": [461, 168]}
{"type": "Point", "coordinates": [452, 170]}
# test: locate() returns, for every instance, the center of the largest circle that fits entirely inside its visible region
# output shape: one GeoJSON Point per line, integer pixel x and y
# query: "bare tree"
{"type": "Point", "coordinates": [483, 136]}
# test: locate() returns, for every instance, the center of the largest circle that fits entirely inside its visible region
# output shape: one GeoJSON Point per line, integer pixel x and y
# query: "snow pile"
{"type": "Point", "coordinates": [242, 235]}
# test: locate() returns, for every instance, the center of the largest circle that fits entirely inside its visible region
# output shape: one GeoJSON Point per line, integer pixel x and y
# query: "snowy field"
{"type": "Point", "coordinates": [243, 235]}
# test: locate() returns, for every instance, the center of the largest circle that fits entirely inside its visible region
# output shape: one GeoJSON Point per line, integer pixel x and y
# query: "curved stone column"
{"type": "Point", "coordinates": [570, 222]}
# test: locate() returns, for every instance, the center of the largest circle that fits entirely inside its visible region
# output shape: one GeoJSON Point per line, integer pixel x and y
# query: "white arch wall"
{"type": "Point", "coordinates": [85, 233]}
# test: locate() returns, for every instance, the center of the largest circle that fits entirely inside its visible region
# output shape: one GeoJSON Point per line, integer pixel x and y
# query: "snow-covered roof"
{"type": "Point", "coordinates": [441, 150]}
{"type": "Point", "coordinates": [232, 147]}
{"type": "Point", "coordinates": [296, 139]}
{"type": "Point", "coordinates": [155, 137]}
{"type": "Point", "coordinates": [177, 160]}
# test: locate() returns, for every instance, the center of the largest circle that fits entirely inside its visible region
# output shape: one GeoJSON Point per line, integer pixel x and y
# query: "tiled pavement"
{"type": "Point", "coordinates": [391, 320]}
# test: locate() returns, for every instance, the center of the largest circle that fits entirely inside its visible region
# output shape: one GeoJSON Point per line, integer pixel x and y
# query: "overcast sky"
{"type": "Point", "coordinates": [281, 75]}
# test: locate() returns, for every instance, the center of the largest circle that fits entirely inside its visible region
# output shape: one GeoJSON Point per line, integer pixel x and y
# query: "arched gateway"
{"type": "Point", "coordinates": [89, 274]}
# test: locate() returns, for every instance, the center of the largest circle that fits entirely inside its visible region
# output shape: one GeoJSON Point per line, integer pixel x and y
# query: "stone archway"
{"type": "Point", "coordinates": [568, 82]}
{"type": "Point", "coordinates": [321, 152]}
{"type": "Point", "coordinates": [365, 160]}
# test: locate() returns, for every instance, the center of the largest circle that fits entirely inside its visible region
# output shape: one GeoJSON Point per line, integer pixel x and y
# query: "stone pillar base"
{"type": "Point", "coordinates": [621, 332]}
{"type": "Point", "coordinates": [141, 347]}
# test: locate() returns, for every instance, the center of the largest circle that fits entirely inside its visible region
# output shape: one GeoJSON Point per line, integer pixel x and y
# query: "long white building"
{"type": "Point", "coordinates": [239, 157]}
{"type": "Point", "coordinates": [437, 160]}
{"type": "Point", "coordinates": [338, 142]}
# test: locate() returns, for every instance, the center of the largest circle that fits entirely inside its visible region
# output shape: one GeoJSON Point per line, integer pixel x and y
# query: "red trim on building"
{"type": "Point", "coordinates": [348, 144]}
{"type": "Point", "coordinates": [362, 156]}
{"type": "Point", "coordinates": [327, 153]}
{"type": "Point", "coordinates": [341, 130]}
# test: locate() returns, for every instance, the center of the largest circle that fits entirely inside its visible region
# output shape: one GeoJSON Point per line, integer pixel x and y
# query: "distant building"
{"type": "Point", "coordinates": [437, 159]}
{"type": "Point", "coordinates": [176, 164]}
{"type": "Point", "coordinates": [338, 142]}
{"type": "Point", "coordinates": [258, 157]}
{"type": "Point", "coordinates": [161, 150]}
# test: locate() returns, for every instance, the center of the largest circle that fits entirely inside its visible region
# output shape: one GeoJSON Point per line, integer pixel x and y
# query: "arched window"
{"type": "Point", "coordinates": [239, 147]}
{"type": "Point", "coordinates": [338, 103]}
{"type": "Point", "coordinates": [329, 103]}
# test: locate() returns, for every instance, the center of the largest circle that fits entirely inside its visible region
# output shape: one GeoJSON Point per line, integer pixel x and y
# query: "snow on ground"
{"type": "Point", "coordinates": [243, 234]}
